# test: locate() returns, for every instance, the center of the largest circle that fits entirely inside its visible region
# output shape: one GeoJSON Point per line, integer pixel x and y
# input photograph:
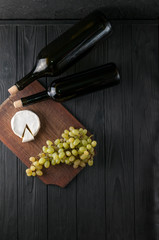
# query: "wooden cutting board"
{"type": "Point", "coordinates": [54, 120]}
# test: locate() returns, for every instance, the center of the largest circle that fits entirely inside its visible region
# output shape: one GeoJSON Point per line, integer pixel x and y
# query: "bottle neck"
{"type": "Point", "coordinates": [34, 98]}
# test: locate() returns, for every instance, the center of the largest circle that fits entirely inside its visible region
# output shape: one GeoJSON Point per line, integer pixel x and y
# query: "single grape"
{"type": "Point", "coordinates": [39, 167]}
{"type": "Point", "coordinates": [82, 164]}
{"type": "Point", "coordinates": [75, 132]}
{"type": "Point", "coordinates": [44, 148]}
{"type": "Point", "coordinates": [60, 145]}
{"type": "Point", "coordinates": [71, 159]}
{"type": "Point", "coordinates": [82, 149]}
{"type": "Point", "coordinates": [84, 142]}
{"type": "Point", "coordinates": [57, 141]}
{"type": "Point", "coordinates": [58, 161]}
{"type": "Point", "coordinates": [85, 131]}
{"type": "Point", "coordinates": [29, 172]}
{"type": "Point", "coordinates": [86, 153]}
{"type": "Point", "coordinates": [61, 155]}
{"type": "Point", "coordinates": [55, 156]}
{"type": "Point", "coordinates": [89, 140]}
{"type": "Point", "coordinates": [32, 159]}
{"type": "Point", "coordinates": [32, 168]}
{"type": "Point", "coordinates": [74, 152]}
{"type": "Point", "coordinates": [94, 143]}
{"type": "Point", "coordinates": [67, 161]}
{"type": "Point", "coordinates": [77, 162]}
{"type": "Point", "coordinates": [83, 156]}
{"type": "Point", "coordinates": [65, 135]}
{"type": "Point", "coordinates": [41, 155]}
{"type": "Point", "coordinates": [36, 163]}
{"type": "Point", "coordinates": [39, 172]}
{"type": "Point", "coordinates": [76, 142]}
{"type": "Point", "coordinates": [65, 145]}
{"type": "Point", "coordinates": [49, 143]}
{"type": "Point", "coordinates": [75, 166]}
{"type": "Point", "coordinates": [71, 140]}
{"type": "Point", "coordinates": [60, 150]}
{"type": "Point", "coordinates": [72, 145]}
{"type": "Point", "coordinates": [47, 164]}
{"type": "Point", "coordinates": [89, 146]}
{"type": "Point", "coordinates": [90, 163]}
{"type": "Point", "coordinates": [71, 128]}
{"type": "Point", "coordinates": [50, 149]}
{"type": "Point", "coordinates": [66, 131]}
{"type": "Point", "coordinates": [68, 153]}
{"type": "Point", "coordinates": [33, 174]}
{"type": "Point", "coordinates": [53, 162]}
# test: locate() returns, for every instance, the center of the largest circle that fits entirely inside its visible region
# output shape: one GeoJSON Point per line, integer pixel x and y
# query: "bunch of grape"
{"type": "Point", "coordinates": [74, 148]}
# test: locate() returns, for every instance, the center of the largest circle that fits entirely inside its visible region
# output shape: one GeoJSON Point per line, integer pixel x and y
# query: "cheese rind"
{"type": "Point", "coordinates": [27, 136]}
{"type": "Point", "coordinates": [23, 118]}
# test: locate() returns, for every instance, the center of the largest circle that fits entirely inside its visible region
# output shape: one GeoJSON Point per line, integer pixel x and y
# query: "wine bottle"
{"type": "Point", "coordinates": [67, 49]}
{"type": "Point", "coordinates": [76, 85]}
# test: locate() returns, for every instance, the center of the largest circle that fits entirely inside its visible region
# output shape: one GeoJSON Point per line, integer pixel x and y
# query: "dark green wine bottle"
{"type": "Point", "coordinates": [77, 84]}
{"type": "Point", "coordinates": [67, 49]}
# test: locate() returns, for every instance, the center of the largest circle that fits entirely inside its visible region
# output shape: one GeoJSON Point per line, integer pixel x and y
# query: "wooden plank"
{"type": "Point", "coordinates": [145, 91]}
{"type": "Point", "coordinates": [91, 186]}
{"type": "Point", "coordinates": [8, 161]}
{"type": "Point", "coordinates": [62, 202]}
{"type": "Point", "coordinates": [119, 140]}
{"type": "Point", "coordinates": [53, 9]}
{"type": "Point", "coordinates": [32, 194]}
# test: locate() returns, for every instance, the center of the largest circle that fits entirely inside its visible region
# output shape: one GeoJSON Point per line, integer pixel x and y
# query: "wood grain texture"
{"type": "Point", "coordinates": [73, 9]}
{"type": "Point", "coordinates": [32, 194]}
{"type": "Point", "coordinates": [145, 124]}
{"type": "Point", "coordinates": [62, 217]}
{"type": "Point", "coordinates": [8, 161]}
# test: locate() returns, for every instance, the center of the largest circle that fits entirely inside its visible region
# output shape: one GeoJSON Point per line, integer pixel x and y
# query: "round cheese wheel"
{"type": "Point", "coordinates": [25, 119]}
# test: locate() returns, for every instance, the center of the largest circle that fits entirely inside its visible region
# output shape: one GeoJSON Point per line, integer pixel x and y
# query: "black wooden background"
{"type": "Point", "coordinates": [118, 198]}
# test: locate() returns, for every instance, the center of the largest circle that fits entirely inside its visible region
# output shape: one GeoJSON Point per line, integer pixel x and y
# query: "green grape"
{"type": "Point", "coordinates": [29, 172]}
{"type": "Point", "coordinates": [60, 150]}
{"type": "Point", "coordinates": [82, 164]}
{"type": "Point", "coordinates": [72, 145]}
{"type": "Point", "coordinates": [49, 143]}
{"type": "Point", "coordinates": [90, 163]}
{"type": "Point", "coordinates": [50, 150]}
{"type": "Point", "coordinates": [67, 161]}
{"type": "Point", "coordinates": [83, 156]}
{"type": "Point", "coordinates": [68, 153]}
{"type": "Point", "coordinates": [47, 164]}
{"type": "Point", "coordinates": [66, 131]}
{"type": "Point", "coordinates": [58, 161]}
{"type": "Point", "coordinates": [65, 135]}
{"type": "Point", "coordinates": [44, 148]}
{"type": "Point", "coordinates": [91, 150]}
{"type": "Point", "coordinates": [89, 146]}
{"type": "Point", "coordinates": [53, 162]}
{"type": "Point", "coordinates": [41, 155]}
{"type": "Point", "coordinates": [32, 168]}
{"type": "Point", "coordinates": [61, 155]}
{"type": "Point", "coordinates": [75, 132]}
{"type": "Point", "coordinates": [77, 162]}
{"type": "Point", "coordinates": [75, 166]}
{"type": "Point", "coordinates": [55, 156]}
{"type": "Point", "coordinates": [32, 159]}
{"type": "Point", "coordinates": [39, 167]}
{"type": "Point", "coordinates": [76, 142]}
{"type": "Point", "coordinates": [86, 153]}
{"type": "Point", "coordinates": [71, 140]}
{"type": "Point", "coordinates": [36, 163]}
{"type": "Point", "coordinates": [71, 159]}
{"type": "Point", "coordinates": [84, 142]}
{"type": "Point", "coordinates": [57, 141]}
{"type": "Point", "coordinates": [71, 128]}
{"type": "Point", "coordinates": [39, 172]}
{"type": "Point", "coordinates": [85, 131]}
{"type": "Point", "coordinates": [74, 152]}
{"type": "Point", "coordinates": [62, 160]}
{"type": "Point", "coordinates": [33, 174]}
{"type": "Point", "coordinates": [89, 140]}
{"type": "Point", "coordinates": [82, 149]}
{"type": "Point", "coordinates": [81, 130]}
{"type": "Point", "coordinates": [94, 143]}
{"type": "Point", "coordinates": [65, 145]}
{"type": "Point", "coordinates": [60, 145]}
{"type": "Point", "coordinates": [42, 161]}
